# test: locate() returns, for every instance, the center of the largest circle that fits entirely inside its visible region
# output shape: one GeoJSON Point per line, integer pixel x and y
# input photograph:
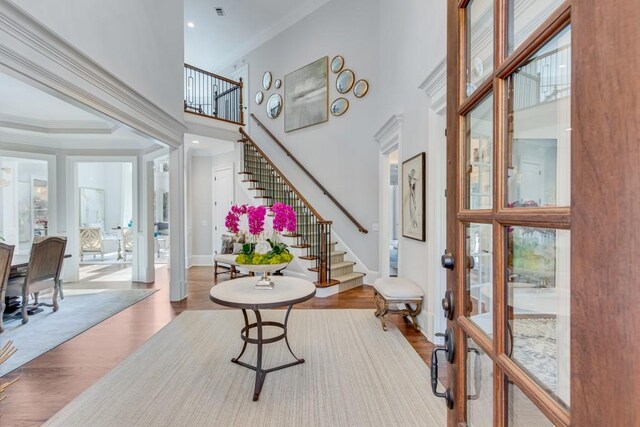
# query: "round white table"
{"type": "Point", "coordinates": [240, 293]}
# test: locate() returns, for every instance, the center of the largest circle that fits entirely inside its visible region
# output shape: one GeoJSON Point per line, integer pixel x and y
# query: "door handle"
{"type": "Point", "coordinates": [447, 304]}
{"type": "Point", "coordinates": [477, 374]}
{"type": "Point", "coordinates": [448, 393]}
{"type": "Point", "coordinates": [447, 261]}
{"type": "Point", "coordinates": [448, 348]}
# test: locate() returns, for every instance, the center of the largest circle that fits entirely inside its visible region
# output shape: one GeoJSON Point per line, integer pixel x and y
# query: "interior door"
{"type": "Point", "coordinates": [222, 201]}
{"type": "Point", "coordinates": [509, 99]}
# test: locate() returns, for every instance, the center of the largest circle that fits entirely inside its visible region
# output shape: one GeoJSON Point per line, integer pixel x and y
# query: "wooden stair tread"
{"type": "Point", "coordinates": [349, 276]}
{"type": "Point", "coordinates": [263, 197]}
{"type": "Point", "coordinates": [250, 180]}
{"type": "Point", "coordinates": [332, 282]}
{"type": "Point", "coordinates": [302, 246]}
{"type": "Point", "coordinates": [245, 173]}
{"type": "Point", "coordinates": [309, 257]}
{"type": "Point", "coordinates": [292, 235]}
{"type": "Point", "coordinates": [337, 265]}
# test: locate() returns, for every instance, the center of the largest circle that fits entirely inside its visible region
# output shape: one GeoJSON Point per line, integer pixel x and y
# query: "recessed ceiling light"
{"type": "Point", "coordinates": [196, 142]}
{"type": "Point", "coordinates": [190, 24]}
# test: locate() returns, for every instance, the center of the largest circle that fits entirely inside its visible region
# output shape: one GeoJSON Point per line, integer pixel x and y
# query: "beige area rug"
{"type": "Point", "coordinates": [355, 375]}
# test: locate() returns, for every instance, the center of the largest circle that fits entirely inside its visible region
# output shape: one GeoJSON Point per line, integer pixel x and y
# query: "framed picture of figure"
{"type": "Point", "coordinates": [413, 198]}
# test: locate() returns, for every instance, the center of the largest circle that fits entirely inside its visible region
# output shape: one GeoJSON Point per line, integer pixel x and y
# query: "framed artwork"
{"type": "Point", "coordinates": [91, 207]}
{"type": "Point", "coordinates": [413, 198]}
{"type": "Point", "coordinates": [306, 96]}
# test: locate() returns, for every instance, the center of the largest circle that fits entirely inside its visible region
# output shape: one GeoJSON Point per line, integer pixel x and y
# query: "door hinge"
{"type": "Point", "coordinates": [445, 192]}
{"type": "Point", "coordinates": [445, 132]}
{"type": "Point", "coordinates": [215, 203]}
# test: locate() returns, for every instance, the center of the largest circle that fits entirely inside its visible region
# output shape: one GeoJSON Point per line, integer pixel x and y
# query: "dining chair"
{"type": "Point", "coordinates": [43, 272]}
{"type": "Point", "coordinates": [91, 241]}
{"type": "Point", "coordinates": [127, 242]}
{"type": "Point", "coordinates": [6, 255]}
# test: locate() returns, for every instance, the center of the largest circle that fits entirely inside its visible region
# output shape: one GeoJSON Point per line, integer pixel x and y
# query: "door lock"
{"type": "Point", "coordinates": [447, 261]}
{"type": "Point", "coordinates": [447, 304]}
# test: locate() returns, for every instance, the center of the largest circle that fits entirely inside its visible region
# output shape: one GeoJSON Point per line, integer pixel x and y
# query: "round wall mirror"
{"type": "Point", "coordinates": [277, 84]}
{"type": "Point", "coordinates": [337, 63]}
{"type": "Point", "coordinates": [339, 106]}
{"type": "Point", "coordinates": [274, 105]}
{"type": "Point", "coordinates": [259, 98]}
{"type": "Point", "coordinates": [345, 81]}
{"type": "Point", "coordinates": [266, 80]}
{"type": "Point", "coordinates": [361, 88]}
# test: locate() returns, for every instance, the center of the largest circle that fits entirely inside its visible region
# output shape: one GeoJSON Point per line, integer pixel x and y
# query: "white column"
{"type": "Point", "coordinates": [71, 266]}
{"type": "Point", "coordinates": [143, 269]}
{"type": "Point", "coordinates": [177, 221]}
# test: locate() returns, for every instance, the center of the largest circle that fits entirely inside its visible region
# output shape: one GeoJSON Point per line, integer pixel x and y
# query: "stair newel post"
{"type": "Point", "coordinates": [240, 103]}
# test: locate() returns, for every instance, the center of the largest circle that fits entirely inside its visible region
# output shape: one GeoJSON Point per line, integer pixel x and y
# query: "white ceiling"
{"type": "Point", "coordinates": [30, 116]}
{"type": "Point", "coordinates": [215, 42]}
{"type": "Point", "coordinates": [199, 145]}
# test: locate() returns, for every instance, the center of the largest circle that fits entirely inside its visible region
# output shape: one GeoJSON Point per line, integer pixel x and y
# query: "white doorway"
{"type": "Point", "coordinates": [394, 212]}
{"type": "Point", "coordinates": [223, 197]}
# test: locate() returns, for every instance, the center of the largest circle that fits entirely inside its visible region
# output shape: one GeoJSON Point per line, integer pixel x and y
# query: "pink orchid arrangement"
{"type": "Point", "coordinates": [256, 216]}
{"type": "Point", "coordinates": [232, 220]}
{"type": "Point", "coordinates": [284, 218]}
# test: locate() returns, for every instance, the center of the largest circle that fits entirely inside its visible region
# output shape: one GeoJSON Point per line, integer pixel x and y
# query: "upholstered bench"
{"type": "Point", "coordinates": [228, 261]}
{"type": "Point", "coordinates": [395, 290]}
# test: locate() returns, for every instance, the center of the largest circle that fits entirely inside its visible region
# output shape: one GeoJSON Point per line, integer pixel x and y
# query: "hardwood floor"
{"type": "Point", "coordinates": [52, 380]}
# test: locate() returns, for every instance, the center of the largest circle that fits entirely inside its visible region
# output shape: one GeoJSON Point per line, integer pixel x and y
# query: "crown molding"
{"type": "Point", "coordinates": [435, 85]}
{"type": "Point", "coordinates": [30, 50]}
{"type": "Point", "coordinates": [67, 127]}
{"type": "Point", "coordinates": [389, 134]}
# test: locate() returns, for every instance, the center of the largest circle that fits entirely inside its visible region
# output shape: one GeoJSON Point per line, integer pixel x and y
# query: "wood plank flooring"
{"type": "Point", "coordinates": [52, 380]}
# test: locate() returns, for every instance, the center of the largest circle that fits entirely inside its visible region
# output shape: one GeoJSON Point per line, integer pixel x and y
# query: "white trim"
{"type": "Point", "coordinates": [435, 85]}
{"type": "Point", "coordinates": [389, 138]}
{"type": "Point", "coordinates": [32, 52]}
{"type": "Point", "coordinates": [200, 261]}
{"type": "Point", "coordinates": [68, 127]}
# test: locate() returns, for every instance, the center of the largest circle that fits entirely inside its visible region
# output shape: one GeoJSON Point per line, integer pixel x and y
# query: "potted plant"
{"type": "Point", "coordinates": [263, 254]}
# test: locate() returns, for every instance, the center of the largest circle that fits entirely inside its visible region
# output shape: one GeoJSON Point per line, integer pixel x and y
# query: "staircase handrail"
{"type": "Point", "coordinates": [313, 178]}
{"type": "Point", "coordinates": [284, 178]}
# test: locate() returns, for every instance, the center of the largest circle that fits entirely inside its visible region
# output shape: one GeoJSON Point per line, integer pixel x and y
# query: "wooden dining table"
{"type": "Point", "coordinates": [21, 261]}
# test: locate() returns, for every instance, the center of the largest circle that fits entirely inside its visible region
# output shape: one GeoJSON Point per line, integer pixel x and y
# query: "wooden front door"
{"type": "Point", "coordinates": [530, 184]}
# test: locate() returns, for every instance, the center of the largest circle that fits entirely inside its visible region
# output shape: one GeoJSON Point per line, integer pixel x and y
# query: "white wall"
{"type": "Point", "coordinates": [412, 43]}
{"type": "Point", "coordinates": [200, 204]}
{"type": "Point", "coordinates": [108, 177]}
{"type": "Point", "coordinates": [340, 152]}
{"type": "Point", "coordinates": [141, 42]}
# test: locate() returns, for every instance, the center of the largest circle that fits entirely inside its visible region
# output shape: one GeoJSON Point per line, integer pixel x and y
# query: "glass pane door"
{"type": "Point", "coordinates": [512, 212]}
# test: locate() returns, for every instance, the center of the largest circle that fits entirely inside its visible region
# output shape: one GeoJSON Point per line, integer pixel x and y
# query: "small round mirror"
{"type": "Point", "coordinates": [274, 105]}
{"type": "Point", "coordinates": [339, 106]}
{"type": "Point", "coordinates": [277, 84]}
{"type": "Point", "coordinates": [361, 88]}
{"type": "Point", "coordinates": [266, 80]}
{"type": "Point", "coordinates": [345, 81]}
{"type": "Point", "coordinates": [259, 98]}
{"type": "Point", "coordinates": [337, 63]}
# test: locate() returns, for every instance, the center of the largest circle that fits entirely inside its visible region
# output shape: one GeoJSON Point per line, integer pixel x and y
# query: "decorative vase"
{"type": "Point", "coordinates": [264, 270]}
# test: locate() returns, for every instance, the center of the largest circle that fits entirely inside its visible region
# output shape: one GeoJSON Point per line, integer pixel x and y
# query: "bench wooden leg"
{"type": "Point", "coordinates": [382, 308]}
{"type": "Point", "coordinates": [215, 269]}
{"type": "Point", "coordinates": [414, 313]}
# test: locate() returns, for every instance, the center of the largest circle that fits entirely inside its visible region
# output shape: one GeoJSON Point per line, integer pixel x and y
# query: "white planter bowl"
{"type": "Point", "coordinates": [263, 268]}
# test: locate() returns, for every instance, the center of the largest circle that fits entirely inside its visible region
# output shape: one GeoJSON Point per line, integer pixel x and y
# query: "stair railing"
{"type": "Point", "coordinates": [313, 231]}
{"type": "Point", "coordinates": [313, 178]}
{"type": "Point", "coordinates": [211, 95]}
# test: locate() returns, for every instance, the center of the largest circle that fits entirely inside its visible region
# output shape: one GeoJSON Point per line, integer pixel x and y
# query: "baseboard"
{"type": "Point", "coordinates": [200, 261]}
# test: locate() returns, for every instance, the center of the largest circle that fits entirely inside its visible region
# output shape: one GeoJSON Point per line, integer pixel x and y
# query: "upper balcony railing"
{"type": "Point", "coordinates": [214, 96]}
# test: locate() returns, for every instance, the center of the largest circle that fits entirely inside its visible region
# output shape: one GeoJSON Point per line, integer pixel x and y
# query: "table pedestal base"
{"type": "Point", "coordinates": [260, 341]}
